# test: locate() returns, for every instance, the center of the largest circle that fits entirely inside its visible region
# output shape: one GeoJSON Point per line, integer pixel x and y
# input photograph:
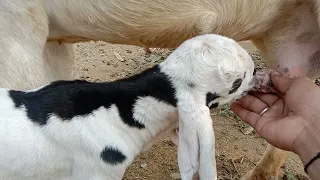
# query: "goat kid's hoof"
{"type": "Point", "coordinates": [255, 175]}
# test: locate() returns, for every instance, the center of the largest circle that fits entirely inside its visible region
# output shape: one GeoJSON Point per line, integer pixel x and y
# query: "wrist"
{"type": "Point", "coordinates": [307, 145]}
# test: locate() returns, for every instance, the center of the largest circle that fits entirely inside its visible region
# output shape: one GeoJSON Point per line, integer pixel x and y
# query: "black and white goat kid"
{"type": "Point", "coordinates": [74, 130]}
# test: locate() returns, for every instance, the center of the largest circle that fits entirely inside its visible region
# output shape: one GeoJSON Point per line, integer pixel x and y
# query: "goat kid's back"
{"type": "Point", "coordinates": [80, 130]}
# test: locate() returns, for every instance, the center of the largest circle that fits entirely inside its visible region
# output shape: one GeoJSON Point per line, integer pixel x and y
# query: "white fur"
{"type": "Point", "coordinates": [34, 35]}
{"type": "Point", "coordinates": [34, 48]}
{"type": "Point", "coordinates": [70, 150]}
{"type": "Point", "coordinates": [209, 73]}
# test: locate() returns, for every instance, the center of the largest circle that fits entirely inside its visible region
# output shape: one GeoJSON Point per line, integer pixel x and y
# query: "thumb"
{"type": "Point", "coordinates": [282, 83]}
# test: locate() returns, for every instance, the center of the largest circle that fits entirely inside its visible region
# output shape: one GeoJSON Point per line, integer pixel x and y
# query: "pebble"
{"type": "Point", "coordinates": [119, 57]}
{"type": "Point", "coordinates": [143, 165]}
{"type": "Point", "coordinates": [175, 176]}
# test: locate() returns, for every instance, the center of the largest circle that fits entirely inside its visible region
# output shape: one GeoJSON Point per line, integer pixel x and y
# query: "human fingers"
{"type": "Point", "coordinates": [253, 103]}
{"type": "Point", "coordinates": [268, 128]}
{"type": "Point", "coordinates": [246, 115]}
{"type": "Point", "coordinates": [282, 83]}
{"type": "Point", "coordinates": [269, 99]}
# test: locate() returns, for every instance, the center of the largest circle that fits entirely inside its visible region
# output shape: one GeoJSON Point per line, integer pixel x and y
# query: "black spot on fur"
{"type": "Point", "coordinates": [67, 99]}
{"type": "Point", "coordinates": [191, 85]}
{"type": "Point", "coordinates": [112, 156]}
{"type": "Point", "coordinates": [235, 86]}
{"type": "Point", "coordinates": [214, 105]}
{"type": "Point", "coordinates": [211, 97]}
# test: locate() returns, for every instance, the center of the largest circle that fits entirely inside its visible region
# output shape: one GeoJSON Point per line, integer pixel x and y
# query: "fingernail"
{"type": "Point", "coordinates": [275, 75]}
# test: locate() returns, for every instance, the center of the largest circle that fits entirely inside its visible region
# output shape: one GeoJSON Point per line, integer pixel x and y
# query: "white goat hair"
{"type": "Point", "coordinates": [83, 130]}
{"type": "Point", "coordinates": [35, 37]}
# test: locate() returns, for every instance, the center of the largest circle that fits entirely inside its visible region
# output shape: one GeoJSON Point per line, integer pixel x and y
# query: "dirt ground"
{"type": "Point", "coordinates": [98, 61]}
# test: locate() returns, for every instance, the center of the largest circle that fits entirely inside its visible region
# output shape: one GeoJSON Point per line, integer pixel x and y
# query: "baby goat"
{"type": "Point", "coordinates": [84, 130]}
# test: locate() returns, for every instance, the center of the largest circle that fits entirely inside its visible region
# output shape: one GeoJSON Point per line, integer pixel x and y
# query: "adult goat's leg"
{"type": "Point", "coordinates": [59, 61]}
{"type": "Point", "coordinates": [268, 166]}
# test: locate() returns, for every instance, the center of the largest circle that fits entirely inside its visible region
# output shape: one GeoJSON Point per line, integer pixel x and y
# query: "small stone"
{"type": "Point", "coordinates": [144, 165]}
{"type": "Point", "coordinates": [119, 57]}
{"type": "Point", "coordinates": [247, 130]}
{"type": "Point", "coordinates": [175, 176]}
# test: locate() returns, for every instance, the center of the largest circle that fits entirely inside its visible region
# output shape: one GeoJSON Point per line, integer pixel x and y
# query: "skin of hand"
{"type": "Point", "coordinates": [292, 121]}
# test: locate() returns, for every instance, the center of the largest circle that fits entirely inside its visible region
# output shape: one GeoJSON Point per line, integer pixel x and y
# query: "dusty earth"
{"type": "Point", "coordinates": [236, 152]}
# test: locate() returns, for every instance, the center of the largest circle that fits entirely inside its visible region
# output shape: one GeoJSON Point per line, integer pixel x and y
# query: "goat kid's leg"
{"type": "Point", "coordinates": [196, 150]}
{"type": "Point", "coordinates": [174, 135]}
{"type": "Point", "coordinates": [59, 61]}
{"type": "Point", "coordinates": [169, 131]}
{"type": "Point", "coordinates": [188, 152]}
{"type": "Point", "coordinates": [207, 146]}
{"type": "Point", "coordinates": [172, 131]}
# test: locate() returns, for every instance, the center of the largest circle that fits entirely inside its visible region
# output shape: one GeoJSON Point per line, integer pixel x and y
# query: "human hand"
{"type": "Point", "coordinates": [292, 120]}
